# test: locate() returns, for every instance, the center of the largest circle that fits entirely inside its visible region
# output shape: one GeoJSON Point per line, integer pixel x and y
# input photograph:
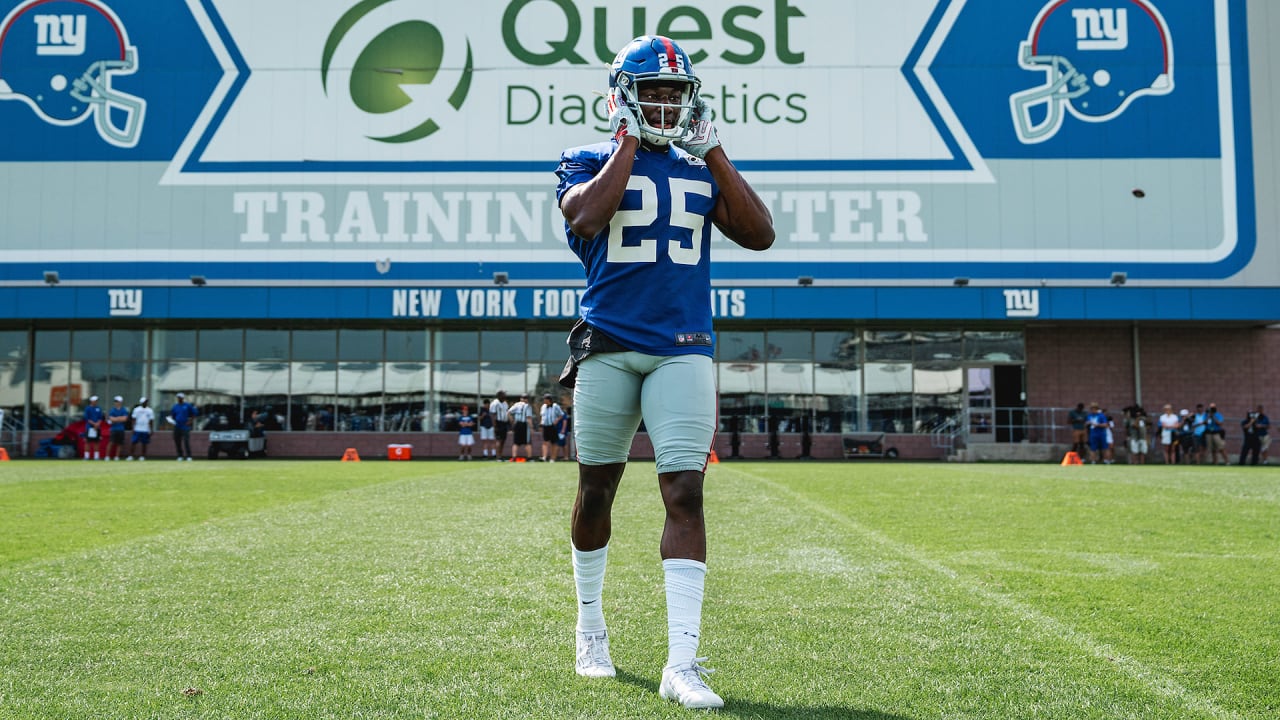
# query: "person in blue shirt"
{"type": "Point", "coordinates": [466, 433]}
{"type": "Point", "coordinates": [1215, 435]}
{"type": "Point", "coordinates": [1199, 426]}
{"type": "Point", "coordinates": [181, 415]}
{"type": "Point", "coordinates": [1099, 434]}
{"type": "Point", "coordinates": [118, 417]}
{"type": "Point", "coordinates": [638, 212]}
{"type": "Point", "coordinates": [94, 430]}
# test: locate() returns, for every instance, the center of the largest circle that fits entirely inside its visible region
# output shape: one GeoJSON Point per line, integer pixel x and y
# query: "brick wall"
{"type": "Point", "coordinates": [1236, 367]}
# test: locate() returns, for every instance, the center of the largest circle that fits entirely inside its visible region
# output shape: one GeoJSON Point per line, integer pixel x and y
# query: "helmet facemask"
{"type": "Point", "coordinates": [675, 116]}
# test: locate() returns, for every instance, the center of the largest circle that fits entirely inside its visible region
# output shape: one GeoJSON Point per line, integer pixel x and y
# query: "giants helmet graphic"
{"type": "Point", "coordinates": [1097, 56]}
{"type": "Point", "coordinates": [59, 57]}
{"type": "Point", "coordinates": [653, 57]}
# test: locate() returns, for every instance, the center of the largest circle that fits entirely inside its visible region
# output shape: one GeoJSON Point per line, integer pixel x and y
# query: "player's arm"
{"type": "Point", "coordinates": [588, 207]}
{"type": "Point", "coordinates": [739, 212]}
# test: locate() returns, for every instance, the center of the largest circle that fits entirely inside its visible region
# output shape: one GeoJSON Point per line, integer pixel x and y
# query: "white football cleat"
{"type": "Point", "coordinates": [593, 655]}
{"type": "Point", "coordinates": [685, 685]}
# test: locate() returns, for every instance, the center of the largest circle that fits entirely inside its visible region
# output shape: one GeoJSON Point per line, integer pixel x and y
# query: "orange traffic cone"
{"type": "Point", "coordinates": [351, 455]}
{"type": "Point", "coordinates": [713, 458]}
{"type": "Point", "coordinates": [1072, 458]}
{"type": "Point", "coordinates": [4, 454]}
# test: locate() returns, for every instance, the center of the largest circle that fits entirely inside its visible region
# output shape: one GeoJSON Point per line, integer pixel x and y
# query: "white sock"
{"type": "Point", "coordinates": [588, 577]}
{"type": "Point", "coordinates": [685, 581]}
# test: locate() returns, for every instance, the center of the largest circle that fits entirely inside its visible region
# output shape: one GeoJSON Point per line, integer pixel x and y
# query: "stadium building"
{"type": "Point", "coordinates": [344, 214]}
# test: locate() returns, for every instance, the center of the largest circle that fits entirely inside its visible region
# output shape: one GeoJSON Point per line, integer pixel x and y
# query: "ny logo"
{"type": "Point", "coordinates": [1101, 28]}
{"type": "Point", "coordinates": [125, 303]}
{"type": "Point", "coordinates": [1022, 303]}
{"type": "Point", "coordinates": [59, 34]}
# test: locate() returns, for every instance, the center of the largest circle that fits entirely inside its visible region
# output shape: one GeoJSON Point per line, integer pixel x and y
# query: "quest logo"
{"type": "Point", "coordinates": [393, 73]}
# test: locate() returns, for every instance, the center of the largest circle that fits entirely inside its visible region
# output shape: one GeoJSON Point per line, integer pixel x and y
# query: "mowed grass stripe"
{"type": "Point", "coordinates": [839, 503]}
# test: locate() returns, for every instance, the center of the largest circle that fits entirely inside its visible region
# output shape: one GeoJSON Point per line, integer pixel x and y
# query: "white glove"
{"type": "Point", "coordinates": [701, 137]}
{"type": "Point", "coordinates": [621, 120]}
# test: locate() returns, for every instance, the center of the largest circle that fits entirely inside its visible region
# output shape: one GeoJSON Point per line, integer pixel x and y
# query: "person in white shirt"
{"type": "Point", "coordinates": [551, 414]}
{"type": "Point", "coordinates": [1169, 422]}
{"type": "Point", "coordinates": [143, 418]}
{"type": "Point", "coordinates": [501, 422]}
{"type": "Point", "coordinates": [521, 415]}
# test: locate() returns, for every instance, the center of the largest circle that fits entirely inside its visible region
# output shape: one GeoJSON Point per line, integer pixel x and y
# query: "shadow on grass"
{"type": "Point", "coordinates": [734, 707]}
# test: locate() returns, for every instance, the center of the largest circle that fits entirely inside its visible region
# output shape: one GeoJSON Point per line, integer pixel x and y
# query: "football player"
{"type": "Point", "coordinates": [636, 211]}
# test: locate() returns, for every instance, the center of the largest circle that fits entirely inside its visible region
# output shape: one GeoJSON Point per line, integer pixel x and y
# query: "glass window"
{"type": "Point", "coordinates": [837, 392]}
{"type": "Point", "coordinates": [888, 393]}
{"type": "Point", "coordinates": [359, 405]}
{"type": "Point", "coordinates": [128, 344]}
{"type": "Point", "coordinates": [312, 386]}
{"type": "Point", "coordinates": [457, 345]}
{"type": "Point", "coordinates": [837, 348]}
{"type": "Point", "coordinates": [315, 346]}
{"type": "Point", "coordinates": [503, 346]}
{"type": "Point", "coordinates": [547, 346]}
{"type": "Point", "coordinates": [13, 344]}
{"type": "Point", "coordinates": [220, 388]}
{"type": "Point", "coordinates": [790, 345]}
{"type": "Point", "coordinates": [360, 345]}
{"type": "Point", "coordinates": [408, 346]}
{"type": "Point", "coordinates": [939, 395]}
{"type": "Point", "coordinates": [937, 347]}
{"type": "Point", "coordinates": [173, 345]}
{"type": "Point", "coordinates": [740, 346]}
{"type": "Point", "coordinates": [91, 344]}
{"type": "Point", "coordinates": [455, 384]}
{"type": "Point", "coordinates": [405, 395]}
{"type": "Point", "coordinates": [63, 399]}
{"type": "Point", "coordinates": [167, 380]}
{"type": "Point", "coordinates": [53, 345]}
{"type": "Point", "coordinates": [888, 346]}
{"type": "Point", "coordinates": [222, 345]}
{"type": "Point", "coordinates": [261, 345]}
{"type": "Point", "coordinates": [264, 389]}
{"type": "Point", "coordinates": [512, 377]}
{"type": "Point", "coordinates": [1001, 347]}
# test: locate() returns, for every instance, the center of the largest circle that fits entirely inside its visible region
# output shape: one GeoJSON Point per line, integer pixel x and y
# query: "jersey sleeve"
{"type": "Point", "coordinates": [580, 164]}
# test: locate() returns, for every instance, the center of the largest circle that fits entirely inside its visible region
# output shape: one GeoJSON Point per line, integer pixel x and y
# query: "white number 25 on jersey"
{"type": "Point", "coordinates": [647, 250]}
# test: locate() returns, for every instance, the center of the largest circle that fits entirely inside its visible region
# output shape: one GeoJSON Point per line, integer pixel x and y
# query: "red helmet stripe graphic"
{"type": "Point", "coordinates": [91, 5]}
{"type": "Point", "coordinates": [669, 52]}
{"type": "Point", "coordinates": [1143, 4]}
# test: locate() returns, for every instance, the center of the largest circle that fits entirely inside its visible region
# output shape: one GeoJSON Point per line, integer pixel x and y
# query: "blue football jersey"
{"type": "Point", "coordinates": [649, 271]}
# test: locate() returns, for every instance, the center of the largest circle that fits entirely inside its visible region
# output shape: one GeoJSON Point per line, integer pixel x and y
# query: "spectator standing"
{"type": "Point", "coordinates": [550, 415]}
{"type": "Point", "coordinates": [501, 412]}
{"type": "Point", "coordinates": [466, 433]}
{"type": "Point", "coordinates": [1186, 437]}
{"type": "Point", "coordinates": [94, 428]}
{"type": "Point", "coordinates": [1263, 426]}
{"type": "Point", "coordinates": [564, 427]}
{"type": "Point", "coordinates": [1099, 429]}
{"type": "Point", "coordinates": [1215, 435]}
{"type": "Point", "coordinates": [1078, 420]}
{"type": "Point", "coordinates": [181, 416]}
{"type": "Point", "coordinates": [484, 424]}
{"type": "Point", "coordinates": [1254, 428]}
{"type": "Point", "coordinates": [1135, 427]}
{"type": "Point", "coordinates": [1199, 426]}
{"type": "Point", "coordinates": [117, 418]}
{"type": "Point", "coordinates": [521, 424]}
{"type": "Point", "coordinates": [1168, 434]}
{"type": "Point", "coordinates": [143, 420]}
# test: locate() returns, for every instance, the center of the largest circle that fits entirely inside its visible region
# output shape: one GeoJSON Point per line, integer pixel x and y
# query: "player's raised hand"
{"type": "Point", "coordinates": [701, 137]}
{"type": "Point", "coordinates": [621, 120]}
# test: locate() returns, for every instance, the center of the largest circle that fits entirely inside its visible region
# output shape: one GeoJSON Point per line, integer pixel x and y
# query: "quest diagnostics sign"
{"type": "Point", "coordinates": [391, 141]}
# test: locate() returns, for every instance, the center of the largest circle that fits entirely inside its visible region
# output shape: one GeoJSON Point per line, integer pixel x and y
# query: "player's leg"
{"type": "Point", "coordinates": [607, 395]}
{"type": "Point", "coordinates": [679, 401]}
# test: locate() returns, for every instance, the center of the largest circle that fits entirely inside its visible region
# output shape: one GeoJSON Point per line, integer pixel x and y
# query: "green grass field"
{"type": "Point", "coordinates": [884, 591]}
